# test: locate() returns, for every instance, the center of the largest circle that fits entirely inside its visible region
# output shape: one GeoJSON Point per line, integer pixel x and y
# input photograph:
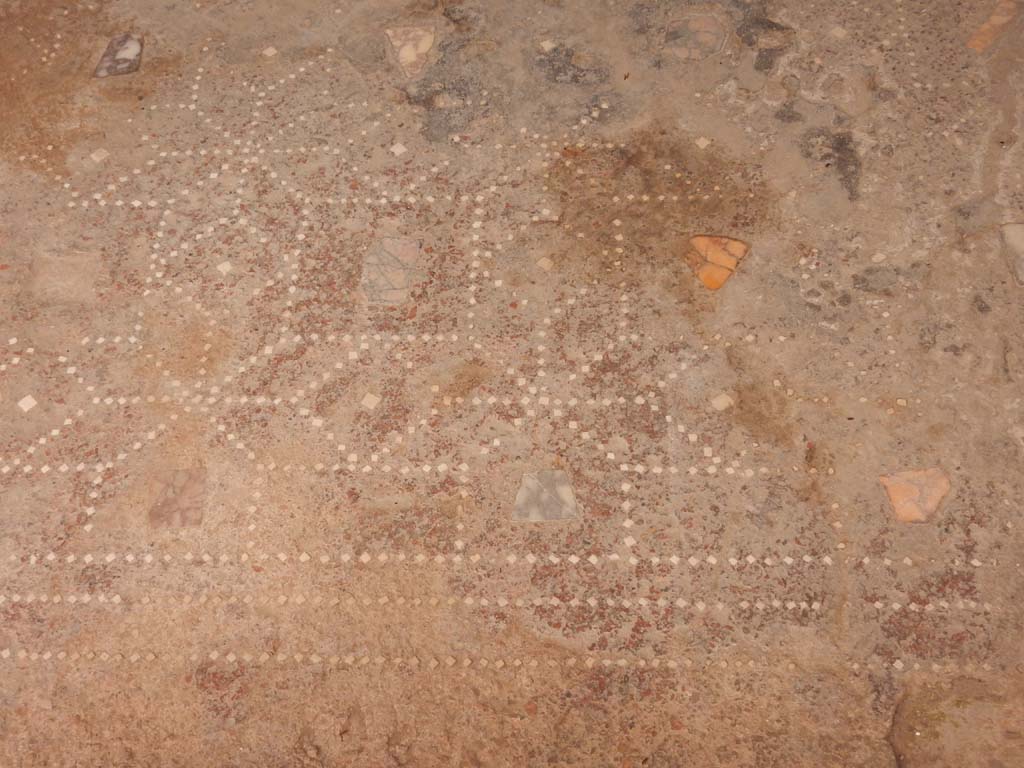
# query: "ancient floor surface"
{"type": "Point", "coordinates": [366, 400]}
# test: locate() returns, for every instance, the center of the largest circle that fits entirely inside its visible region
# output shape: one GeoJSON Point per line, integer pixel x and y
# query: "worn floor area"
{"type": "Point", "coordinates": [569, 383]}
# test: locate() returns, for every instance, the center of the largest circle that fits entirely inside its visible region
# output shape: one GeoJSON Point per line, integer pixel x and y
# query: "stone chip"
{"type": "Point", "coordinates": [915, 494]}
{"type": "Point", "coordinates": [182, 498]}
{"type": "Point", "coordinates": [411, 46]}
{"type": "Point", "coordinates": [721, 402]}
{"type": "Point", "coordinates": [392, 270]}
{"type": "Point", "coordinates": [545, 495]}
{"type": "Point", "coordinates": [122, 56]}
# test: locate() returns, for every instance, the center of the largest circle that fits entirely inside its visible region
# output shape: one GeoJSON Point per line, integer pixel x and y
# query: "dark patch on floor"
{"type": "Point", "coordinates": [788, 114]}
{"type": "Point", "coordinates": [876, 280]}
{"type": "Point", "coordinates": [565, 65]}
{"type": "Point", "coordinates": [446, 106]}
{"type": "Point", "coordinates": [467, 19]}
{"type": "Point", "coordinates": [756, 29]}
{"type": "Point", "coordinates": [767, 58]}
{"type": "Point", "coordinates": [835, 150]}
{"type": "Point", "coordinates": [668, 190]}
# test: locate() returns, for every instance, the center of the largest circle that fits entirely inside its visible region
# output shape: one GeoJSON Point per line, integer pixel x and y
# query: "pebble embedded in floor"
{"type": "Point", "coordinates": [122, 56]}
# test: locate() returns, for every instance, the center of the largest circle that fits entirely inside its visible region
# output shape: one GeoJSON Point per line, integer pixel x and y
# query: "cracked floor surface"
{"type": "Point", "coordinates": [531, 383]}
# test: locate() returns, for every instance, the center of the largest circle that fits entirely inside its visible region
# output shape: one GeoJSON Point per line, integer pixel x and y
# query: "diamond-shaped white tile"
{"type": "Point", "coordinates": [224, 267]}
{"type": "Point", "coordinates": [27, 403]}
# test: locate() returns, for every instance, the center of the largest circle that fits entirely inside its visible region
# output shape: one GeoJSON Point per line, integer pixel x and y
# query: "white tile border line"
{"type": "Point", "coordinates": [146, 558]}
{"type": "Point", "coordinates": [698, 604]}
{"type": "Point", "coordinates": [334, 661]}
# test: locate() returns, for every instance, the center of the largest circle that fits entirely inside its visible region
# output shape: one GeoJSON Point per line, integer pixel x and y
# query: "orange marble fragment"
{"type": "Point", "coordinates": [714, 258]}
{"type": "Point", "coordinates": [915, 495]}
{"type": "Point", "coordinates": [713, 275]}
{"type": "Point", "coordinates": [994, 26]}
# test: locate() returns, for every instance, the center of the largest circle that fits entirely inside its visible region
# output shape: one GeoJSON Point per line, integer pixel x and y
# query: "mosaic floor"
{"type": "Point", "coordinates": [554, 383]}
